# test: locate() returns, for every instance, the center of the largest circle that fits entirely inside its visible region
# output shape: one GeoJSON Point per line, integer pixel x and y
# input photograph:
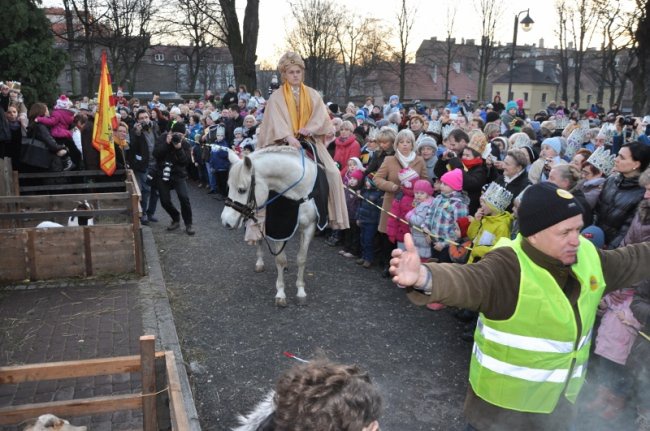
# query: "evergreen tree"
{"type": "Point", "coordinates": [27, 51]}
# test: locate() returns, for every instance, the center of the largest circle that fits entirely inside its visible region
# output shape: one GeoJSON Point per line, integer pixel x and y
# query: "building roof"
{"type": "Point", "coordinates": [529, 74]}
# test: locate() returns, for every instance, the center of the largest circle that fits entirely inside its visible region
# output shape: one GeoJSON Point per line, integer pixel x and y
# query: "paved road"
{"type": "Point", "coordinates": [228, 325]}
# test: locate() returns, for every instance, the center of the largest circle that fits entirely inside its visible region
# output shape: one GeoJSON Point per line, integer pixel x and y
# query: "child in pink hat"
{"type": "Point", "coordinates": [423, 193]}
{"type": "Point", "coordinates": [401, 205]}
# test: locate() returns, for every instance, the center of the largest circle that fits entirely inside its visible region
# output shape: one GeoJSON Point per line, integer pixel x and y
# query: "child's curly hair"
{"type": "Point", "coordinates": [325, 396]}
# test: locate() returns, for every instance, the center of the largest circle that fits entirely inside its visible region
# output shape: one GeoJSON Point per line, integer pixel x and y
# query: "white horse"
{"type": "Point", "coordinates": [284, 170]}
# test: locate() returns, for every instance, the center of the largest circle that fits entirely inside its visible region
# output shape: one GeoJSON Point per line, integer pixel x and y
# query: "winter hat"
{"type": "Point", "coordinates": [407, 177]}
{"type": "Point", "coordinates": [356, 162]}
{"type": "Point", "coordinates": [394, 97]}
{"type": "Point", "coordinates": [463, 224]}
{"type": "Point", "coordinates": [239, 130]}
{"type": "Point", "coordinates": [595, 235]}
{"type": "Point", "coordinates": [520, 103]}
{"type": "Point", "coordinates": [511, 105]}
{"type": "Point", "coordinates": [554, 143]}
{"type": "Point", "coordinates": [544, 205]}
{"type": "Point", "coordinates": [427, 141]}
{"type": "Point", "coordinates": [360, 115]}
{"type": "Point", "coordinates": [491, 117]}
{"type": "Point", "coordinates": [63, 102]}
{"type": "Point", "coordinates": [453, 179]}
{"type": "Point", "coordinates": [178, 127]}
{"type": "Point", "coordinates": [357, 175]}
{"type": "Point", "coordinates": [423, 186]}
{"type": "Point", "coordinates": [175, 110]}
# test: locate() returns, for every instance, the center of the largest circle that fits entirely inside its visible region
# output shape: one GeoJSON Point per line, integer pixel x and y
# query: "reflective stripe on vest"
{"type": "Point", "coordinates": [526, 364]}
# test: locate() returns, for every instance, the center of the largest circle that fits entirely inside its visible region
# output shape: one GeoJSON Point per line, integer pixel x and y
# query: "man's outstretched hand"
{"type": "Point", "coordinates": [405, 264]}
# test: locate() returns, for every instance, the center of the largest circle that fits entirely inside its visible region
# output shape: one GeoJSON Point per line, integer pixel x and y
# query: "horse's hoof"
{"type": "Point", "coordinates": [281, 302]}
{"type": "Point", "coordinates": [259, 268]}
{"type": "Point", "coordinates": [301, 300]}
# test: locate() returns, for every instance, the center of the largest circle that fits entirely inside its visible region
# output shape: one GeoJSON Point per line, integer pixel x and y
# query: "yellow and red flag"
{"type": "Point", "coordinates": [105, 121]}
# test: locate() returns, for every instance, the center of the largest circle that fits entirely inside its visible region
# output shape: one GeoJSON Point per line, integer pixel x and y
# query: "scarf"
{"type": "Point", "coordinates": [469, 164]}
{"type": "Point", "coordinates": [298, 118]}
{"type": "Point", "coordinates": [405, 160]}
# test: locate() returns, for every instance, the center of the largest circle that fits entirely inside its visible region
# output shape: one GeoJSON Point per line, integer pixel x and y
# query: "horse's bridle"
{"type": "Point", "coordinates": [247, 210]}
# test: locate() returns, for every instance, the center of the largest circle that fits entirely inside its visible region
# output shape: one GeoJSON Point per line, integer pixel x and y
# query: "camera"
{"type": "Point", "coordinates": [167, 171]}
{"type": "Point", "coordinates": [627, 121]}
{"type": "Point", "coordinates": [146, 126]}
{"type": "Point", "coordinates": [176, 139]}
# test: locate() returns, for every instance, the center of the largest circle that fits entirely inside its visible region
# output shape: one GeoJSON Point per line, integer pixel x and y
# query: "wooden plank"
{"type": "Point", "coordinates": [80, 407]}
{"type": "Point", "coordinates": [14, 259]}
{"type": "Point", "coordinates": [16, 184]}
{"type": "Point", "coordinates": [71, 369]}
{"type": "Point", "coordinates": [84, 186]}
{"type": "Point", "coordinates": [180, 421]}
{"type": "Point", "coordinates": [137, 237]}
{"type": "Point", "coordinates": [112, 249]}
{"type": "Point", "coordinates": [66, 198]}
{"type": "Point", "coordinates": [59, 252]}
{"type": "Point", "coordinates": [148, 370]}
{"type": "Point", "coordinates": [88, 255]}
{"type": "Point", "coordinates": [48, 215]}
{"type": "Point", "coordinates": [31, 254]}
{"type": "Point", "coordinates": [89, 173]}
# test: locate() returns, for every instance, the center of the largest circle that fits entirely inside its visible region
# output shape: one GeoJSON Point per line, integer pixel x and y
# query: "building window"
{"type": "Point", "coordinates": [159, 57]}
{"type": "Point", "coordinates": [177, 57]}
{"type": "Point", "coordinates": [525, 96]}
{"type": "Point", "coordinates": [543, 97]}
{"type": "Point", "coordinates": [588, 99]}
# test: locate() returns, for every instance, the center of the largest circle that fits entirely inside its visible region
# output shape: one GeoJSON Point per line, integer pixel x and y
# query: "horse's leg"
{"type": "Point", "coordinates": [280, 264]}
{"type": "Point", "coordinates": [306, 235]}
{"type": "Point", "coordinates": [259, 264]}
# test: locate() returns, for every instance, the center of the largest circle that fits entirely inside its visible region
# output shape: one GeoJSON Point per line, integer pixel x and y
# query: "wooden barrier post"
{"type": "Point", "coordinates": [147, 356]}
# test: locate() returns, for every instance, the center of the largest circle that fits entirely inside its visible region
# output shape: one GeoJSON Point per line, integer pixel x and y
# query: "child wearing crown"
{"type": "Point", "coordinates": [491, 221]}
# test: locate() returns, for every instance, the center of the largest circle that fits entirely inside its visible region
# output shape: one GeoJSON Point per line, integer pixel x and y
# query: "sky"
{"type": "Point", "coordinates": [431, 20]}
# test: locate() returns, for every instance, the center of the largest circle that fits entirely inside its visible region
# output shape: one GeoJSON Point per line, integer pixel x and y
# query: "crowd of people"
{"type": "Point", "coordinates": [443, 182]}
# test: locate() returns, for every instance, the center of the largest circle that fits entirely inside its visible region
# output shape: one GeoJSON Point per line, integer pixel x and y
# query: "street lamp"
{"type": "Point", "coordinates": [526, 25]}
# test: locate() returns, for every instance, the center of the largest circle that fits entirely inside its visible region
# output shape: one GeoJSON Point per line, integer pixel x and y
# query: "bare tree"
{"type": "Point", "coordinates": [362, 47]}
{"type": "Point", "coordinates": [314, 38]}
{"type": "Point", "coordinates": [405, 21]}
{"type": "Point", "coordinates": [490, 12]}
{"type": "Point", "coordinates": [450, 48]}
{"type": "Point", "coordinates": [242, 44]}
{"type": "Point", "coordinates": [564, 16]}
{"type": "Point", "coordinates": [191, 21]}
{"type": "Point", "coordinates": [583, 28]}
{"type": "Point", "coordinates": [640, 72]}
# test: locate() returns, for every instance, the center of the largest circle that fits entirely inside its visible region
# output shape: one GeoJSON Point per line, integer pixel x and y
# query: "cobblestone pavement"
{"type": "Point", "coordinates": [72, 320]}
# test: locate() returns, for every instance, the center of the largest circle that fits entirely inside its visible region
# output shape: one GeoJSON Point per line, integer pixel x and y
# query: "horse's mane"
{"type": "Point", "coordinates": [275, 149]}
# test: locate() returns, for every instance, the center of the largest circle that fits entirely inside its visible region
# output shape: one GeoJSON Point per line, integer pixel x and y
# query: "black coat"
{"type": "Point", "coordinates": [616, 207]}
{"type": "Point", "coordinates": [139, 152]}
{"type": "Point", "coordinates": [179, 158]}
{"type": "Point", "coordinates": [473, 181]}
{"type": "Point", "coordinates": [515, 186]}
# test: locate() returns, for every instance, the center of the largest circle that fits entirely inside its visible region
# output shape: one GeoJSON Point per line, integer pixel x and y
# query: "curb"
{"type": "Point", "coordinates": [157, 319]}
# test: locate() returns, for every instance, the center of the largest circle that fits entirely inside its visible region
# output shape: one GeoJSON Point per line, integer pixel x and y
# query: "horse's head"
{"type": "Point", "coordinates": [241, 202]}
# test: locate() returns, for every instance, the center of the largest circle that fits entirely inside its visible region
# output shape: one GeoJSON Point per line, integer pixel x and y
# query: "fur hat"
{"type": "Point", "coordinates": [175, 110]}
{"type": "Point", "coordinates": [453, 179]}
{"type": "Point", "coordinates": [63, 102]}
{"type": "Point", "coordinates": [407, 177]}
{"type": "Point", "coordinates": [544, 205]}
{"type": "Point", "coordinates": [423, 186]}
{"type": "Point", "coordinates": [290, 59]}
{"type": "Point", "coordinates": [511, 105]}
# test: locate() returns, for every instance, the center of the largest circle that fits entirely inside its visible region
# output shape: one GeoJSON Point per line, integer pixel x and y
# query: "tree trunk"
{"type": "Point", "coordinates": [243, 50]}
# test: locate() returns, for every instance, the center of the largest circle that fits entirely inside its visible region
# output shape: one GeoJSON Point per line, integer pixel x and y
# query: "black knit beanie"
{"type": "Point", "coordinates": [544, 205]}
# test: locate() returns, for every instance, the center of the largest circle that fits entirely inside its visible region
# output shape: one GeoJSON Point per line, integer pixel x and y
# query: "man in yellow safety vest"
{"type": "Point", "coordinates": [537, 296]}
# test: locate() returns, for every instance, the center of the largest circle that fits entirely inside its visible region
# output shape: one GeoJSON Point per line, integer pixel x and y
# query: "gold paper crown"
{"type": "Point", "coordinates": [497, 197]}
{"type": "Point", "coordinates": [602, 160]}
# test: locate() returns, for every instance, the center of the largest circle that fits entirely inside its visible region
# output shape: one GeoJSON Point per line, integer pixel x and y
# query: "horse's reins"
{"type": "Point", "coordinates": [248, 210]}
